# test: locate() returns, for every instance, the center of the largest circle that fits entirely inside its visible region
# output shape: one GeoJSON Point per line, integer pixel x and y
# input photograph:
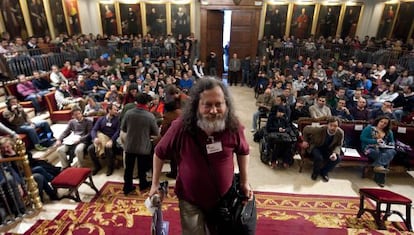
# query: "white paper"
{"type": "Point", "coordinates": [358, 127]}
{"type": "Point", "coordinates": [316, 124]}
{"type": "Point", "coordinates": [71, 139]}
{"type": "Point", "coordinates": [402, 130]}
{"type": "Point", "coordinates": [350, 152]}
{"type": "Point", "coordinates": [148, 205]}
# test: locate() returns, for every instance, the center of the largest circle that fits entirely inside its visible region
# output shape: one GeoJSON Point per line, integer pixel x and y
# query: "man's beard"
{"type": "Point", "coordinates": [219, 124]}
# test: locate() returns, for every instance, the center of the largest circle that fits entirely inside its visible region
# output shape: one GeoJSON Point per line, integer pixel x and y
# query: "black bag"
{"type": "Point", "coordinates": [259, 135]}
{"type": "Point", "coordinates": [231, 215]}
{"type": "Point", "coordinates": [279, 137]}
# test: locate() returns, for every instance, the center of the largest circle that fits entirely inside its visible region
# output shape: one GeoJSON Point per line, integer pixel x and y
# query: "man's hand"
{"type": "Point", "coordinates": [333, 157]}
{"type": "Point", "coordinates": [96, 141]}
{"type": "Point", "coordinates": [154, 189]}
{"type": "Point", "coordinates": [247, 191]}
{"type": "Point", "coordinates": [109, 144]}
{"type": "Point", "coordinates": [58, 143]}
{"type": "Point", "coordinates": [305, 144]}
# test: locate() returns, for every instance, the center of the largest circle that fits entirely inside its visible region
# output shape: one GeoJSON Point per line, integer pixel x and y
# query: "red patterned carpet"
{"type": "Point", "coordinates": [278, 213]}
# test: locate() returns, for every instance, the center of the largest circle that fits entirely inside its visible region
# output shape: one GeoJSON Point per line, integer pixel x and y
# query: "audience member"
{"type": "Point", "coordinates": [360, 112]}
{"type": "Point", "coordinates": [138, 145]}
{"type": "Point", "coordinates": [279, 123]}
{"type": "Point", "coordinates": [377, 142]}
{"type": "Point", "coordinates": [264, 103]}
{"type": "Point", "coordinates": [29, 92]}
{"type": "Point", "coordinates": [74, 139]}
{"type": "Point", "coordinates": [17, 119]}
{"type": "Point", "coordinates": [65, 100]}
{"type": "Point", "coordinates": [324, 144]}
{"type": "Point", "coordinates": [320, 109]}
{"type": "Point", "coordinates": [104, 135]}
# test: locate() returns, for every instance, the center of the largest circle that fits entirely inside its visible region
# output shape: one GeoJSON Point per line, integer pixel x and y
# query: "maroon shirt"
{"type": "Point", "coordinates": [195, 183]}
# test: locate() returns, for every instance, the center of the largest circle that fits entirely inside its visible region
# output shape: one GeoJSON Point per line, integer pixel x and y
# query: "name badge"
{"type": "Point", "coordinates": [214, 147]}
{"type": "Point", "coordinates": [108, 124]}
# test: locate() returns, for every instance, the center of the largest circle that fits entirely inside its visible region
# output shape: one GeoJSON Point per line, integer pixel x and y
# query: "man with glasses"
{"type": "Point", "coordinates": [320, 109]}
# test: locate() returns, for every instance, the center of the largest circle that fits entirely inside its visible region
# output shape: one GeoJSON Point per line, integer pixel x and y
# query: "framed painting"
{"type": "Point", "coordinates": [156, 19]}
{"type": "Point", "coordinates": [404, 22]}
{"type": "Point", "coordinates": [38, 17]}
{"type": "Point", "coordinates": [302, 19]}
{"type": "Point", "coordinates": [72, 16]}
{"type": "Point", "coordinates": [328, 20]}
{"type": "Point", "coordinates": [131, 18]}
{"type": "Point", "coordinates": [58, 19]}
{"type": "Point", "coordinates": [108, 18]}
{"type": "Point", "coordinates": [13, 18]}
{"type": "Point", "coordinates": [180, 19]}
{"type": "Point", "coordinates": [387, 20]}
{"type": "Point", "coordinates": [275, 20]}
{"type": "Point", "coordinates": [351, 19]}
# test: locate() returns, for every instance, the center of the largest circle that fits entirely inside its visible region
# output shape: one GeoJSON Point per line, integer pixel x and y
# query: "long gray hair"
{"type": "Point", "coordinates": [191, 108]}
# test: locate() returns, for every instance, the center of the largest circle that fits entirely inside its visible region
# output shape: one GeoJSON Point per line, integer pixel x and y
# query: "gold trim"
{"type": "Point", "coordinates": [65, 12]}
{"type": "Point", "coordinates": [100, 18]}
{"type": "Point", "coordinates": [394, 20]}
{"type": "Point", "coordinates": [341, 19]}
{"type": "Point", "coordinates": [181, 2]}
{"type": "Point", "coordinates": [144, 18]}
{"type": "Point", "coordinates": [289, 19]}
{"type": "Point", "coordinates": [2, 26]}
{"type": "Point", "coordinates": [128, 1]}
{"type": "Point", "coordinates": [118, 18]}
{"type": "Point", "coordinates": [168, 17]}
{"type": "Point", "coordinates": [192, 18]}
{"type": "Point", "coordinates": [272, 3]}
{"type": "Point", "coordinates": [359, 18]}
{"type": "Point", "coordinates": [262, 20]}
{"type": "Point", "coordinates": [26, 17]}
{"type": "Point", "coordinates": [315, 19]}
{"type": "Point", "coordinates": [46, 5]}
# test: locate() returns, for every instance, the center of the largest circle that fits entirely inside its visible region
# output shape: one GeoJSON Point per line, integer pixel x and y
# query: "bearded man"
{"type": "Point", "coordinates": [205, 138]}
{"type": "Point", "coordinates": [324, 145]}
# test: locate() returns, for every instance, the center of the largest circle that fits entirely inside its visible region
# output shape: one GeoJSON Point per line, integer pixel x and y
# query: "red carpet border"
{"type": "Point", "coordinates": [111, 212]}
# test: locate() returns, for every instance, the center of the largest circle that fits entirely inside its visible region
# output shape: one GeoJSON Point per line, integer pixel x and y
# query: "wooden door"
{"type": "Point", "coordinates": [212, 39]}
{"type": "Point", "coordinates": [244, 32]}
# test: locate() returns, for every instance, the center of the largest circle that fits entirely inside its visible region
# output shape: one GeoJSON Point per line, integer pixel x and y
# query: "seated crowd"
{"type": "Point", "coordinates": [333, 90]}
{"type": "Point", "coordinates": [100, 91]}
{"type": "Point", "coordinates": [99, 96]}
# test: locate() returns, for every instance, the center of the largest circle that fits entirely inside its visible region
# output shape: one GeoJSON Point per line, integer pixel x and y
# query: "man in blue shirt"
{"type": "Point", "coordinates": [104, 134]}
